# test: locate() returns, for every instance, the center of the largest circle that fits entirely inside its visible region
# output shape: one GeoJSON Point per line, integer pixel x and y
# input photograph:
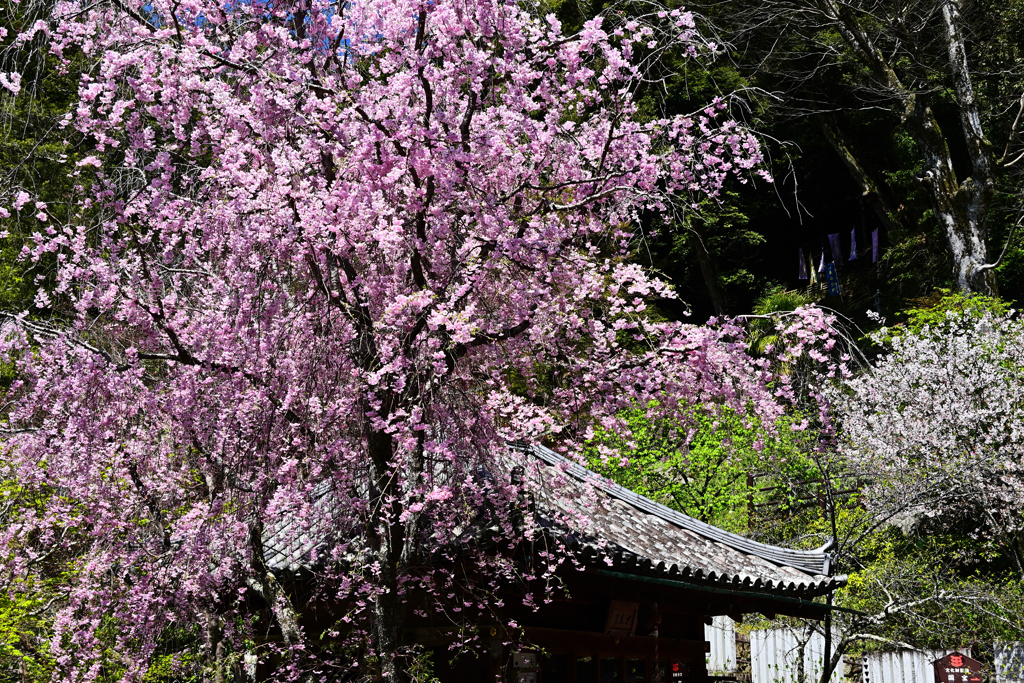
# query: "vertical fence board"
{"type": "Point", "coordinates": [722, 656]}
{"type": "Point", "coordinates": [904, 666]}
{"type": "Point", "coordinates": [774, 656]}
{"type": "Point", "coordinates": [1009, 661]}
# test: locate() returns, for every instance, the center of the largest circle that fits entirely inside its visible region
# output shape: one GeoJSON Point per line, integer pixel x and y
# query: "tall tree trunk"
{"type": "Point", "coordinates": [266, 585]}
{"type": "Point", "coordinates": [707, 269]}
{"type": "Point", "coordinates": [386, 544]}
{"type": "Point", "coordinates": [801, 649]}
{"type": "Point", "coordinates": [961, 208]}
{"type": "Point", "coordinates": [215, 655]}
{"type": "Point", "coordinates": [870, 191]}
{"type": "Point", "coordinates": [975, 193]}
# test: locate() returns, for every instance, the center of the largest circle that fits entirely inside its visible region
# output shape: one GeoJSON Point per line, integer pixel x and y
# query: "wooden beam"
{"type": "Point", "coordinates": [558, 641]}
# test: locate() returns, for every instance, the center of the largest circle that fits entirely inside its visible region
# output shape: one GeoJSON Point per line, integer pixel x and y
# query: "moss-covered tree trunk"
{"type": "Point", "coordinates": [960, 206]}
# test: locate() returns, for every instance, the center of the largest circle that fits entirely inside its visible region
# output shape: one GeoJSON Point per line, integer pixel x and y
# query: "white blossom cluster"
{"type": "Point", "coordinates": [935, 427]}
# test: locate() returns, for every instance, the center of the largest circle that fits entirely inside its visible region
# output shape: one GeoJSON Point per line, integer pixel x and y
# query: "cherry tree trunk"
{"type": "Point", "coordinates": [386, 544]}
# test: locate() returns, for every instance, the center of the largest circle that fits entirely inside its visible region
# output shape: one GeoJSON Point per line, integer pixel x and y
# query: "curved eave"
{"type": "Point", "coordinates": [630, 563]}
{"type": "Point", "coordinates": [816, 563]}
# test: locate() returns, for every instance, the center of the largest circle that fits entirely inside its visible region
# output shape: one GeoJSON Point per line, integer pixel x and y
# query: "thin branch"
{"type": "Point", "coordinates": [1009, 240]}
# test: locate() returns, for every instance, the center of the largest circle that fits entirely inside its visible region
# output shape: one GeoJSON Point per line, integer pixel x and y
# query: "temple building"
{"type": "Point", "coordinates": [651, 578]}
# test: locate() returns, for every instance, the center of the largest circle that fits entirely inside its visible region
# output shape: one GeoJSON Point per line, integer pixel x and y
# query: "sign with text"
{"type": "Point", "coordinates": [621, 618]}
{"type": "Point", "coordinates": [957, 668]}
{"type": "Point", "coordinates": [678, 671]}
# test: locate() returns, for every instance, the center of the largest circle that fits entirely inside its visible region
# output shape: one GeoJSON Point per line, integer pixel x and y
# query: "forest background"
{"type": "Point", "coordinates": [844, 159]}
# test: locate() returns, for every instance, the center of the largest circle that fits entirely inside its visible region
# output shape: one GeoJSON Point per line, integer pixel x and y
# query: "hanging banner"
{"type": "Point", "coordinates": [874, 245]}
{"type": "Point", "coordinates": [814, 276]}
{"type": "Point", "coordinates": [821, 264]}
{"type": "Point", "coordinates": [837, 247]}
{"type": "Point", "coordinates": [832, 278]}
{"type": "Point", "coordinates": [802, 272]}
{"type": "Point", "coordinates": [853, 245]}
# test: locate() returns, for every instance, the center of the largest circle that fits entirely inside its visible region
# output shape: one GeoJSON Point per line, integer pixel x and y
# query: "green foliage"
{"type": "Point", "coordinates": [705, 479]}
{"type": "Point", "coordinates": [421, 668]}
{"type": "Point", "coordinates": [26, 601]}
{"type": "Point", "coordinates": [932, 312]}
{"type": "Point", "coordinates": [953, 607]}
{"type": "Point", "coordinates": [37, 152]}
{"type": "Point", "coordinates": [775, 300]}
{"type": "Point", "coordinates": [708, 474]}
{"type": "Point", "coordinates": [171, 667]}
{"type": "Point", "coordinates": [24, 655]}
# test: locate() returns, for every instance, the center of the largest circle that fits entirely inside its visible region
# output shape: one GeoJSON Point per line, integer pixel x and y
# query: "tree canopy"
{"type": "Point", "coordinates": [339, 252]}
{"type": "Point", "coordinates": [267, 264]}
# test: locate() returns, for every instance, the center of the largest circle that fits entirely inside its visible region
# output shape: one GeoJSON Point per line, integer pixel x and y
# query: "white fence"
{"type": "Point", "coordinates": [905, 666]}
{"type": "Point", "coordinates": [775, 657]}
{"type": "Point", "coordinates": [775, 653]}
{"type": "Point", "coordinates": [721, 657]}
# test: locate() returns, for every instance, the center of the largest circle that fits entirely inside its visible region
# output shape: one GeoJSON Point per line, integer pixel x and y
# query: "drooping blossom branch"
{"type": "Point", "coordinates": [329, 260]}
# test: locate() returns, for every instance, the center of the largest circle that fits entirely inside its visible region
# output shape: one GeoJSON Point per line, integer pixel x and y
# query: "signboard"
{"type": "Point", "coordinates": [526, 665]}
{"type": "Point", "coordinates": [678, 671]}
{"type": "Point", "coordinates": [621, 618]}
{"type": "Point", "coordinates": [957, 668]}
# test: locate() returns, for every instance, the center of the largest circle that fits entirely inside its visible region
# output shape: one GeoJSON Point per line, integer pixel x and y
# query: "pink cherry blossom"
{"type": "Point", "coordinates": [343, 254]}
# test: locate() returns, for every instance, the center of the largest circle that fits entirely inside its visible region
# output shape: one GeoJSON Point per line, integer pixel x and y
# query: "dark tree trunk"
{"type": "Point", "coordinates": [870, 191]}
{"type": "Point", "coordinates": [216, 652]}
{"type": "Point", "coordinates": [266, 585]}
{"type": "Point", "coordinates": [707, 269]}
{"type": "Point", "coordinates": [386, 544]}
{"type": "Point", "coordinates": [961, 208]}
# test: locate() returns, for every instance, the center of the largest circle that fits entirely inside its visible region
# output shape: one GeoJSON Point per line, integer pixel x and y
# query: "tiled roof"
{"type": "Point", "coordinates": [632, 533]}
{"type": "Point", "coordinates": [641, 536]}
{"type": "Point", "coordinates": [292, 543]}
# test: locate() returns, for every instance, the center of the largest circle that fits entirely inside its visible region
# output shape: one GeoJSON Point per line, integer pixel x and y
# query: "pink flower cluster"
{"type": "Point", "coordinates": [342, 247]}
